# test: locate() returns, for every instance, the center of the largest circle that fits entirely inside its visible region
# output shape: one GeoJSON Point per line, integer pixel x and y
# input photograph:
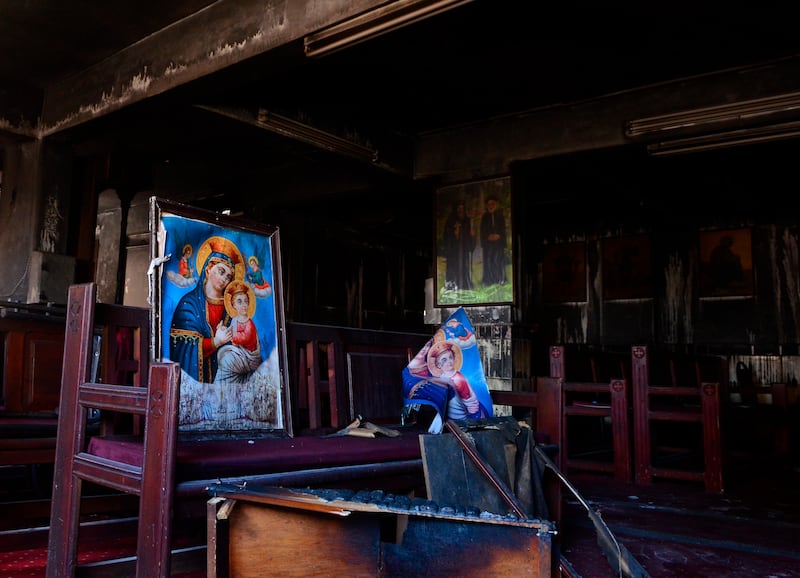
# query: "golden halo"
{"type": "Point", "coordinates": [187, 247]}
{"type": "Point", "coordinates": [235, 287]}
{"type": "Point", "coordinates": [228, 247]}
{"type": "Point", "coordinates": [458, 357]}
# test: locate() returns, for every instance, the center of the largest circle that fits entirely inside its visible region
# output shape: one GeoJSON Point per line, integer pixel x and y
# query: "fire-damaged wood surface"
{"type": "Point", "coordinates": [487, 471]}
{"type": "Point", "coordinates": [489, 464]}
{"type": "Point", "coordinates": [259, 531]}
{"type": "Point", "coordinates": [673, 528]}
{"type": "Point", "coordinates": [452, 478]}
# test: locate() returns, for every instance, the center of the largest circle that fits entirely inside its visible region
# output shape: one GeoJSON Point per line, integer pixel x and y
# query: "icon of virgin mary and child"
{"type": "Point", "coordinates": [213, 335]}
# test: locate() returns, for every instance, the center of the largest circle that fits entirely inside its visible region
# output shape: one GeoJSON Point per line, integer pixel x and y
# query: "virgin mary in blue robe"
{"type": "Point", "coordinates": [192, 322]}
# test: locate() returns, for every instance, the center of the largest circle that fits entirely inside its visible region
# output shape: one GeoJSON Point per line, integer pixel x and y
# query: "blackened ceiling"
{"type": "Point", "coordinates": [475, 61]}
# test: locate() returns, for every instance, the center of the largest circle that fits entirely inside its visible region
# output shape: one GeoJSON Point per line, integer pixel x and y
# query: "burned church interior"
{"type": "Point", "coordinates": [641, 319]}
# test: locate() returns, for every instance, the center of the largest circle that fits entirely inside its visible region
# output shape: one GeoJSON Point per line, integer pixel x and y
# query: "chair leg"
{"type": "Point", "coordinates": [154, 541]}
{"type": "Point", "coordinates": [549, 415]}
{"type": "Point", "coordinates": [62, 551]}
{"type": "Point", "coordinates": [641, 408]}
{"type": "Point", "coordinates": [620, 430]}
{"type": "Point", "coordinates": [712, 438]}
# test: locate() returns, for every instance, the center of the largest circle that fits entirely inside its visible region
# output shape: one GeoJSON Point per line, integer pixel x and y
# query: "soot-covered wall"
{"type": "Point", "coordinates": [619, 248]}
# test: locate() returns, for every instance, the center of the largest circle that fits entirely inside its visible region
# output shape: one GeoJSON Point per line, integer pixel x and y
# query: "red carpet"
{"type": "Point", "coordinates": [32, 562]}
{"type": "Point", "coordinates": [27, 556]}
{"type": "Point", "coordinates": [677, 530]}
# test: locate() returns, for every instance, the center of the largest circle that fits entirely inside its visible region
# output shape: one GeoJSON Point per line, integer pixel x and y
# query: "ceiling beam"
{"type": "Point", "coordinates": [224, 33]}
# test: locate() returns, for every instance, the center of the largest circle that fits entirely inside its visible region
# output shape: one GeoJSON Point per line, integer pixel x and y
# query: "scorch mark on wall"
{"type": "Point", "coordinates": [229, 48]}
{"type": "Point", "coordinates": [785, 255]}
{"type": "Point", "coordinates": [140, 83]}
{"type": "Point", "coordinates": [567, 334]}
{"type": "Point", "coordinates": [172, 69]}
{"type": "Point", "coordinates": [677, 300]}
{"type": "Point", "coordinates": [108, 101]}
{"type": "Point", "coordinates": [50, 224]}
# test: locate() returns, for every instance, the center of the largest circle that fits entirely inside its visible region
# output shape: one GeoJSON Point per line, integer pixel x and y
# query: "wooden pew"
{"type": "Point", "coordinates": [18, 448]}
{"type": "Point", "coordinates": [586, 386]}
{"type": "Point", "coordinates": [676, 401]}
{"type": "Point", "coordinates": [31, 346]}
{"type": "Point", "coordinates": [341, 373]}
{"type": "Point", "coordinates": [524, 406]}
{"type": "Point", "coordinates": [539, 408]}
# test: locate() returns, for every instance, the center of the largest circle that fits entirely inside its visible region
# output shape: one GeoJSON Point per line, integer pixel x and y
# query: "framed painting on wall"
{"type": "Point", "coordinates": [726, 263]}
{"type": "Point", "coordinates": [217, 310]}
{"type": "Point", "coordinates": [473, 244]}
{"type": "Point", "coordinates": [564, 273]}
{"type": "Point", "coordinates": [627, 272]}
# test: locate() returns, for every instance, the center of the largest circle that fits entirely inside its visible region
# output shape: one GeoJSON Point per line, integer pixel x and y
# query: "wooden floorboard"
{"type": "Point", "coordinates": [676, 529]}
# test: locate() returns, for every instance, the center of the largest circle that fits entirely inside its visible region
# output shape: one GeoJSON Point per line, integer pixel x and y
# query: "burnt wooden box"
{"type": "Point", "coordinates": [280, 532]}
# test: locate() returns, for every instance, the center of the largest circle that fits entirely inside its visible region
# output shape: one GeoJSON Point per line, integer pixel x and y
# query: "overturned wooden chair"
{"type": "Point", "coordinates": [599, 394]}
{"type": "Point", "coordinates": [155, 405]}
{"type": "Point", "coordinates": [676, 415]}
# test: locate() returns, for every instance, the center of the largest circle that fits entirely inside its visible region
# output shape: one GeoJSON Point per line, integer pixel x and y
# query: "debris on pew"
{"type": "Point", "coordinates": [365, 429]}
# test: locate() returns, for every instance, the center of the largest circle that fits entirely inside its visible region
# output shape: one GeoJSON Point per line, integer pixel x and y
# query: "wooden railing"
{"type": "Point", "coordinates": [340, 373]}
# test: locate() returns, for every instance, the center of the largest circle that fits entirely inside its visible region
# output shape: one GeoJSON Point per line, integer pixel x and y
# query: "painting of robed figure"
{"type": "Point", "coordinates": [217, 311]}
{"type": "Point", "coordinates": [473, 244]}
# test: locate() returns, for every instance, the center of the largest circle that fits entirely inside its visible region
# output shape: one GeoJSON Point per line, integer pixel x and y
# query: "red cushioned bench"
{"type": "Point", "coordinates": [200, 462]}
